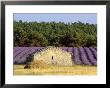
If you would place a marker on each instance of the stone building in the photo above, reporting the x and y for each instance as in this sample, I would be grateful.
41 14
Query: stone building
54 56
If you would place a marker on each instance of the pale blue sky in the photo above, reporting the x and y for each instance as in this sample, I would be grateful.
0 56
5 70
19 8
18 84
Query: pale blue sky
63 17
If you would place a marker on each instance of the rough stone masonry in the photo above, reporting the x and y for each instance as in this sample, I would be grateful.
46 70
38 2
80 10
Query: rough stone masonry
54 56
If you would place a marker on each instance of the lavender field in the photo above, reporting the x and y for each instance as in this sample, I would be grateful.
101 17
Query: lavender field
81 55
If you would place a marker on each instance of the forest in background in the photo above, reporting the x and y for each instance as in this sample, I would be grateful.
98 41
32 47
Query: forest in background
60 34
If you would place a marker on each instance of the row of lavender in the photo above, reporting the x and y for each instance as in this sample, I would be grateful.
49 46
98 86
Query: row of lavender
81 55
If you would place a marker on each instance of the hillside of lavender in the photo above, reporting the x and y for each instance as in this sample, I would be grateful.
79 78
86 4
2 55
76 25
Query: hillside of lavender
81 55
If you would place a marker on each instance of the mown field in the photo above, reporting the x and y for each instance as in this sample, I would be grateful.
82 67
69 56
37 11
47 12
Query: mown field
56 70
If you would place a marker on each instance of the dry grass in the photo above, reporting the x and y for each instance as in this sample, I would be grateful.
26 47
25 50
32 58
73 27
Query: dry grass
56 70
38 64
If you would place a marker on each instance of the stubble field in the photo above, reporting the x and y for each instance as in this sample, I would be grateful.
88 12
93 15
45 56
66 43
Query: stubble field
56 70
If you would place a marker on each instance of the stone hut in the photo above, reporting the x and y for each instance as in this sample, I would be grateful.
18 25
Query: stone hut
54 56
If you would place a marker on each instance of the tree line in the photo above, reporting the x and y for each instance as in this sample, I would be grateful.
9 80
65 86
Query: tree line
60 34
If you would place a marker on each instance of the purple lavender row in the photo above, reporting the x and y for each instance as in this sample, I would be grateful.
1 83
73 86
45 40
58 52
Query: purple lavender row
24 57
84 57
70 49
26 53
90 56
94 52
18 52
64 48
16 49
19 49
76 57
95 48
18 56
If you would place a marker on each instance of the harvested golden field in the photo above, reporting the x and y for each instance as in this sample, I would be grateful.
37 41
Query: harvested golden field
56 70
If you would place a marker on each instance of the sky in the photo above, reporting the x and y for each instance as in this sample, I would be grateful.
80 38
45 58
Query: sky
57 17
